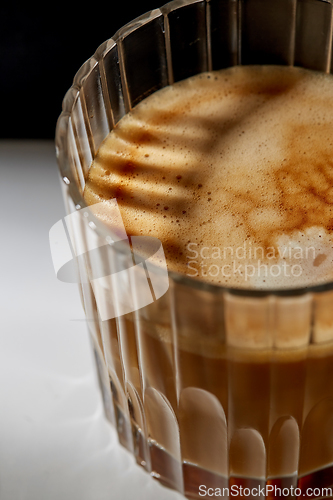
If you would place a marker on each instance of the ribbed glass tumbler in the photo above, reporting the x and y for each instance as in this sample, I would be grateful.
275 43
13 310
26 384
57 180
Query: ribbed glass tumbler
208 387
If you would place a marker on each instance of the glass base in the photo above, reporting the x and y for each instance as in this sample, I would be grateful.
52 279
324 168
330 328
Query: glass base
187 478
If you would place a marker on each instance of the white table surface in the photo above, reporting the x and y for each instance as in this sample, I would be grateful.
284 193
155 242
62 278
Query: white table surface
54 440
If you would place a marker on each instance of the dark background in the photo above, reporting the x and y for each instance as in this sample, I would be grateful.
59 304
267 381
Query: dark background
42 45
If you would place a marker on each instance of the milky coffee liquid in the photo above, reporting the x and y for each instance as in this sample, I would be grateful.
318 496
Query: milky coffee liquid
233 172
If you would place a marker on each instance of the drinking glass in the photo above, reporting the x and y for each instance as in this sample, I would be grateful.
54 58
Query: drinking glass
196 401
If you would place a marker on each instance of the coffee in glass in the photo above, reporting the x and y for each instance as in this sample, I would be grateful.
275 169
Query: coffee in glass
225 379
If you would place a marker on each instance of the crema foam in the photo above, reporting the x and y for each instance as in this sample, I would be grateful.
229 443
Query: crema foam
233 172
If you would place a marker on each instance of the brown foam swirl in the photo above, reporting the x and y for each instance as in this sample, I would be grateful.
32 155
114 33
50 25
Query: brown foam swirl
301 193
240 156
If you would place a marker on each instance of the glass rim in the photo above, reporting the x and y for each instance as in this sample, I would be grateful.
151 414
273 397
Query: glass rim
71 184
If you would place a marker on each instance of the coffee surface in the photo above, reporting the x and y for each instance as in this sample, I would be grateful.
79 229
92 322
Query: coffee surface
233 172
